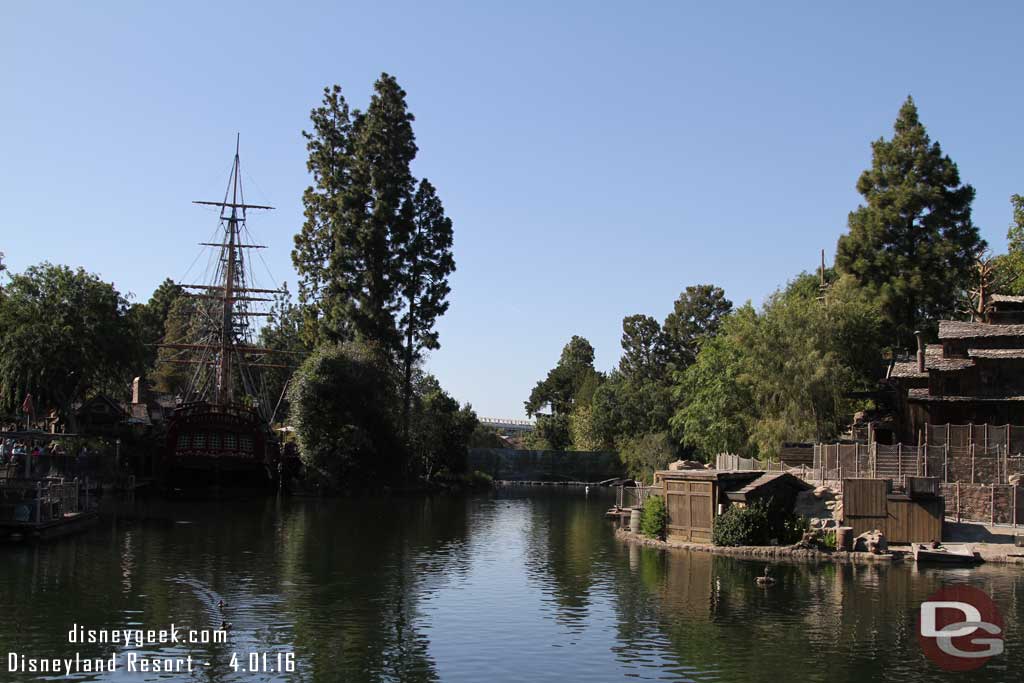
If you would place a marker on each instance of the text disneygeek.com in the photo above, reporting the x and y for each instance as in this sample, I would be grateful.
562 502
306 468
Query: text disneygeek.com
123 658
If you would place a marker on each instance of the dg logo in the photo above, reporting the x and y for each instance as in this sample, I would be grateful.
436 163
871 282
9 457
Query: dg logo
960 628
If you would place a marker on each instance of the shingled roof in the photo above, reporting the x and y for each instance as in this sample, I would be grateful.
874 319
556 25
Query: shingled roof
954 329
933 360
1006 299
996 353
923 395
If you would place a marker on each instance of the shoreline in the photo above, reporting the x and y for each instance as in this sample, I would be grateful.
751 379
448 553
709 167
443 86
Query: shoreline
990 554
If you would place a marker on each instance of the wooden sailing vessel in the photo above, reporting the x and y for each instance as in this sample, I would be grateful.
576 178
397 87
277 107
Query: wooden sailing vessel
220 434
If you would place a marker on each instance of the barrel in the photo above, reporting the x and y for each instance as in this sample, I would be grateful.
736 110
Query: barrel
634 520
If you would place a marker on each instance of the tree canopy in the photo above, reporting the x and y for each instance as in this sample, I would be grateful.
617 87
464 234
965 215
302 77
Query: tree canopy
64 333
913 243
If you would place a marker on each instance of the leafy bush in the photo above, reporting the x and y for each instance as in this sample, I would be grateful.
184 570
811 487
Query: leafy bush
654 517
345 408
757 524
829 540
742 526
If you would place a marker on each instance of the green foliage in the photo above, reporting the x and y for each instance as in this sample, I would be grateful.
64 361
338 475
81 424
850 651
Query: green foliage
829 540
913 244
643 348
374 253
572 380
345 409
1009 267
427 262
782 375
741 526
714 395
757 524
636 402
583 433
695 318
645 453
551 433
188 319
283 332
150 319
64 334
440 431
654 517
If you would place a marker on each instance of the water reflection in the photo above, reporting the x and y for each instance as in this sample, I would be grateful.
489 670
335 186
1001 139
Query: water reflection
516 585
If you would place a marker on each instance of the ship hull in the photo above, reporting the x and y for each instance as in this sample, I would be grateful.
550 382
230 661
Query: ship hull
212 449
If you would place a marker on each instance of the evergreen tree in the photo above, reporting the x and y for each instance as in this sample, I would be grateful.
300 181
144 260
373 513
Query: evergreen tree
695 318
325 253
643 348
427 262
381 201
913 243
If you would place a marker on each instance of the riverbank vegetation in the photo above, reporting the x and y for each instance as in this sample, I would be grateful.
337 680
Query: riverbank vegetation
714 377
374 257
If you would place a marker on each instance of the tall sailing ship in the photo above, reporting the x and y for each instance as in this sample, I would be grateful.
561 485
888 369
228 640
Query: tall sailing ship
220 434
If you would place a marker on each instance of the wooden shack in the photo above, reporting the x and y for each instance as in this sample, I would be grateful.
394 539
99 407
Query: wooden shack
915 517
693 498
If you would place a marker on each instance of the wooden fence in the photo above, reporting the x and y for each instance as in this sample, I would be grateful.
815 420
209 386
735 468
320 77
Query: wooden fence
971 464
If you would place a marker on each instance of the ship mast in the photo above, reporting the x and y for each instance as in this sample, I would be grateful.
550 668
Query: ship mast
223 395
229 290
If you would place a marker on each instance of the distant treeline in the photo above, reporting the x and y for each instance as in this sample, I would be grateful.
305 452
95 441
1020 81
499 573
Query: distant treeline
713 377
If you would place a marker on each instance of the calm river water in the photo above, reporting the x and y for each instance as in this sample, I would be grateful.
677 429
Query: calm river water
515 585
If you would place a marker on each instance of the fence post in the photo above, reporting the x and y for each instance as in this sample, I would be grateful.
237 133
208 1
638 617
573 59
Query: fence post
972 463
873 454
899 462
993 516
945 464
957 500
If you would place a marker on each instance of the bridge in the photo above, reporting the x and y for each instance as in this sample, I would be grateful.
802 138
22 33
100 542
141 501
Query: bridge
508 424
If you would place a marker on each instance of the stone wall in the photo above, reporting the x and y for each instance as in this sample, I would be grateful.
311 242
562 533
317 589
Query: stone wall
507 464
984 503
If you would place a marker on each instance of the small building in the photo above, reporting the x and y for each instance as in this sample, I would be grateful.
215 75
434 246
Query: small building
914 517
100 415
693 498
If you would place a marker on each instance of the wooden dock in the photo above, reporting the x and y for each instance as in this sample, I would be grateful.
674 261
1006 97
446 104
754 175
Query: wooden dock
32 509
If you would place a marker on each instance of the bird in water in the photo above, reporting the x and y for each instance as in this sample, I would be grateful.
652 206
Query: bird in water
225 626
767 579
221 605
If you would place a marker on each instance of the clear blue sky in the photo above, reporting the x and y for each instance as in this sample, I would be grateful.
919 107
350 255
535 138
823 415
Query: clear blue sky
596 157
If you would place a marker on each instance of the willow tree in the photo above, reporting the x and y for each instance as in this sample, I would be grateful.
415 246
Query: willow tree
912 244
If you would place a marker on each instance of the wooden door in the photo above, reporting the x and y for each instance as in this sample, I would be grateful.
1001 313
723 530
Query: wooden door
690 506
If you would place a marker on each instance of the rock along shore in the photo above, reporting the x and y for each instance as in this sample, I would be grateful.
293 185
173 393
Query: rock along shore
994 553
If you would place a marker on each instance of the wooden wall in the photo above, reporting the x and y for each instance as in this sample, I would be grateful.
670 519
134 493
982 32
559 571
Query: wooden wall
866 506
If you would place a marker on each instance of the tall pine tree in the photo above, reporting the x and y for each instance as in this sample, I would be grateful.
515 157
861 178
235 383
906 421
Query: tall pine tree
327 280
381 203
913 244
427 261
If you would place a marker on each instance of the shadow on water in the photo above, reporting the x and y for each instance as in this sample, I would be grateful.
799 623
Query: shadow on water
518 584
